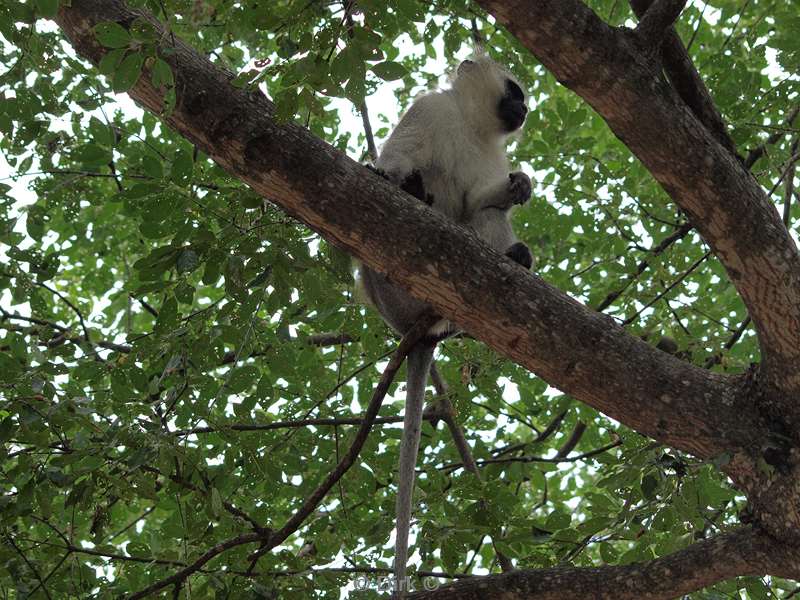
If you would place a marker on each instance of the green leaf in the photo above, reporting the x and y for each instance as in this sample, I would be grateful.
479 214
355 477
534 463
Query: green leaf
242 378
162 74
101 133
128 72
182 167
47 8
92 155
216 502
389 70
109 63
112 35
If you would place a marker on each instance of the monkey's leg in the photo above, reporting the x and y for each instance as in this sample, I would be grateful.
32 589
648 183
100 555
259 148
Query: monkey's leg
411 183
418 363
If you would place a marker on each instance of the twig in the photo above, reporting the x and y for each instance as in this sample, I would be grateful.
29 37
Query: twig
696 27
675 236
551 428
717 357
372 151
66 301
447 412
536 459
31 566
572 441
761 150
683 276
787 203
245 427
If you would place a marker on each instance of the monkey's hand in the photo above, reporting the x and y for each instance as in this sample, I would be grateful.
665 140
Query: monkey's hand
377 170
520 254
519 187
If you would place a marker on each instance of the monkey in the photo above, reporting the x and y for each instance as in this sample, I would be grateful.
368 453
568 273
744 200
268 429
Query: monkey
448 150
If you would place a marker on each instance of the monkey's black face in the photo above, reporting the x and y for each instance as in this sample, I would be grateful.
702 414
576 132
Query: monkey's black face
512 109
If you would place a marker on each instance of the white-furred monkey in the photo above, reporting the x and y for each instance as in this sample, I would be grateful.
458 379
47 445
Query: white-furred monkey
449 151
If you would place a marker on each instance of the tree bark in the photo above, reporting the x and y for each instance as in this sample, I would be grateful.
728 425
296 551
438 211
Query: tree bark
741 552
614 71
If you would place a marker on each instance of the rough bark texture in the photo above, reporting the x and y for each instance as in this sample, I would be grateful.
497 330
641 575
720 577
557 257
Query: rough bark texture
614 71
741 552
581 352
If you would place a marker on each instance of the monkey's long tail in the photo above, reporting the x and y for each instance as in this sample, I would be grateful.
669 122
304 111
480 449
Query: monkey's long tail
418 364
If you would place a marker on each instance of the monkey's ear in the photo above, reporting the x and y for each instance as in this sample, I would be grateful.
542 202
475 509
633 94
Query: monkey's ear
464 66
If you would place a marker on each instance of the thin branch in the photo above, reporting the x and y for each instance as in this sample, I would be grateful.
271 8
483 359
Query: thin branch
685 79
696 27
271 539
372 151
787 202
447 411
761 150
551 428
536 459
55 292
572 440
66 301
16 317
675 236
717 357
683 276
31 566
247 538
429 416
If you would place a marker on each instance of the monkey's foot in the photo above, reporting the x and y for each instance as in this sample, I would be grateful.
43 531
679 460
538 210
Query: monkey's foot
413 185
519 187
520 254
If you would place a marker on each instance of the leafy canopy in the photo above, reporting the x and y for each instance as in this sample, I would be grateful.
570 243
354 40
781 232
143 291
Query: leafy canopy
146 293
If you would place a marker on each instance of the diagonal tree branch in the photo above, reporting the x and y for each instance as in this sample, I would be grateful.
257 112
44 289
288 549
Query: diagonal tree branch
658 19
721 198
687 81
739 552
531 322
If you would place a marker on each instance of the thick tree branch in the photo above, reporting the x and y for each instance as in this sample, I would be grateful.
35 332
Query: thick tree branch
686 80
722 200
658 19
740 552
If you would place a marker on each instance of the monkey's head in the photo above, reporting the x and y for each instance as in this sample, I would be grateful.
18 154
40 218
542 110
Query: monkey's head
491 98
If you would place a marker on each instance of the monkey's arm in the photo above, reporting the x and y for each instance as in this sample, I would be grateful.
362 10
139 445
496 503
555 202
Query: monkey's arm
502 194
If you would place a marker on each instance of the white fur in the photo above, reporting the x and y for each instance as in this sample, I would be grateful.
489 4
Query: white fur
455 139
